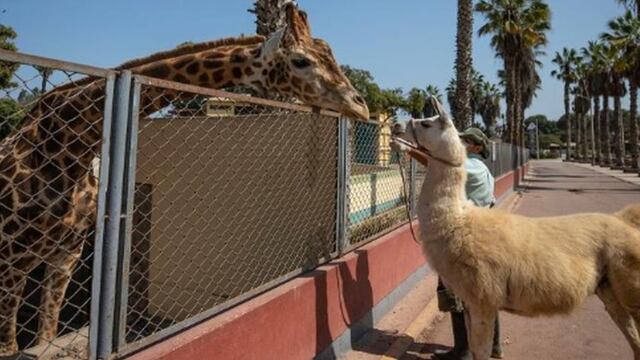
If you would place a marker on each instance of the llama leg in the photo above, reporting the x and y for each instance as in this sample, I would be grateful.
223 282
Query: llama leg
57 278
621 317
480 323
12 281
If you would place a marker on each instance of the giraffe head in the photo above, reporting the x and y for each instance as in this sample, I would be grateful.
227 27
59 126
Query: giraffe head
297 64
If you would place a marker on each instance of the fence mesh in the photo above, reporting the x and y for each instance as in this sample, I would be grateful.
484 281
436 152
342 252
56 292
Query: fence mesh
501 160
229 196
50 132
376 197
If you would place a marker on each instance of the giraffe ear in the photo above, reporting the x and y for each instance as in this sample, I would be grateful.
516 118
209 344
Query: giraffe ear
273 42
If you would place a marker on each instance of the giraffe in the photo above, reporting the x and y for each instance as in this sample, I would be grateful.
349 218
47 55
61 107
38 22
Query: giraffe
48 191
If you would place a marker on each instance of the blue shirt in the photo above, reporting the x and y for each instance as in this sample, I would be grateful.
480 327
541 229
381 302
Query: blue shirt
480 182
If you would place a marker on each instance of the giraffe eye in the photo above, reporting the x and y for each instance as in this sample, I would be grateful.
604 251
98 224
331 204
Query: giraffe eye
301 63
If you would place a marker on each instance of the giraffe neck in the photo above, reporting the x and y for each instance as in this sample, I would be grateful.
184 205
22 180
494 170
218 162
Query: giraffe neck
222 67
66 125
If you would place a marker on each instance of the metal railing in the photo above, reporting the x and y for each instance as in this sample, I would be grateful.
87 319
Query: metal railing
164 204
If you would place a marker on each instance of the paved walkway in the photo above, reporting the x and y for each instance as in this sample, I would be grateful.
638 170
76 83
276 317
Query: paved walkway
557 188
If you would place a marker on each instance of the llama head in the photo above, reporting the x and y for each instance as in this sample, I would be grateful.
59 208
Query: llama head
436 135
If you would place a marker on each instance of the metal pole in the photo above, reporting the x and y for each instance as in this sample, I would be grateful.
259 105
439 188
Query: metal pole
99 238
111 246
342 213
125 232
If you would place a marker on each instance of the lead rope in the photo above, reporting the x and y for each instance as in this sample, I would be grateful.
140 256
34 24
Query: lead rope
406 197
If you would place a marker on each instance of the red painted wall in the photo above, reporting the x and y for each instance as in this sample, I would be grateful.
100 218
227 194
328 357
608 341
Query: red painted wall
302 317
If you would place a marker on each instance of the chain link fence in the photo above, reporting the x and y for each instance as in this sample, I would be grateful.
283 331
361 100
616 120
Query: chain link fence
377 195
132 208
51 120
501 160
229 196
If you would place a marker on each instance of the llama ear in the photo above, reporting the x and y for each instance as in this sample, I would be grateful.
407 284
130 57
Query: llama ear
273 42
443 116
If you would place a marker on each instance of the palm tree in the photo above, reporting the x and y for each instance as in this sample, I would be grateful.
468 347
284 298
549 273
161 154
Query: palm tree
566 72
615 64
414 103
607 58
434 91
270 15
625 35
631 5
517 29
477 92
463 115
596 81
581 106
450 90
489 107
529 82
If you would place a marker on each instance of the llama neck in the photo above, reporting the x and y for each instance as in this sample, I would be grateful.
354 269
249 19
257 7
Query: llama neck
442 198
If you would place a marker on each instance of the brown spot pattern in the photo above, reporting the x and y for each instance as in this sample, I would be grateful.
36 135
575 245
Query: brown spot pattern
218 76
236 72
193 68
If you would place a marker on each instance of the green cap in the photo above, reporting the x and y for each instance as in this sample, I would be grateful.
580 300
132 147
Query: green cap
477 137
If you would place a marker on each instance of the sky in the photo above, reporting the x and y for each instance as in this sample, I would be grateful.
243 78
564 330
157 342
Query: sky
403 43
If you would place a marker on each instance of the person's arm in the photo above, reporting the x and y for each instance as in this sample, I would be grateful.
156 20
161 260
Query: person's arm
401 147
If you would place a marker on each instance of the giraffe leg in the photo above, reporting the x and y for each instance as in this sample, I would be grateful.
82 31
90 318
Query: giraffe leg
621 317
57 278
12 281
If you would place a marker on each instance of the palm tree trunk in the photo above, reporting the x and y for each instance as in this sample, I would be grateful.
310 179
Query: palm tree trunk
619 131
633 118
606 133
567 116
597 130
585 141
578 118
510 97
463 115
518 123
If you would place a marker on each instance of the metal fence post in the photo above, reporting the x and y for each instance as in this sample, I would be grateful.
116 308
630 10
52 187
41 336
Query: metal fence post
127 215
113 220
100 217
342 212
